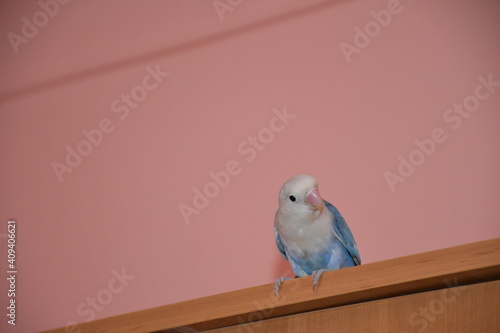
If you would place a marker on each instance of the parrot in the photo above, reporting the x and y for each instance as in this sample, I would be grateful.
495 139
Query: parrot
310 232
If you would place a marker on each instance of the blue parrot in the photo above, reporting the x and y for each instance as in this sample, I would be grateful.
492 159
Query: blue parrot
310 232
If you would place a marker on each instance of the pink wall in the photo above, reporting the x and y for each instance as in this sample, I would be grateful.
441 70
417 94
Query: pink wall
357 105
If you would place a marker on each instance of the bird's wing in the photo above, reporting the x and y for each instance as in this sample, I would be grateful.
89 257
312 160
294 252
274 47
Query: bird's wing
279 242
344 234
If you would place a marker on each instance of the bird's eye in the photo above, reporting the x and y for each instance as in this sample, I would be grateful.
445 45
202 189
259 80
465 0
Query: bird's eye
292 198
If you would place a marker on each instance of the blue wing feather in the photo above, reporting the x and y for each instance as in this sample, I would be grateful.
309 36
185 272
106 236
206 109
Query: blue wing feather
343 233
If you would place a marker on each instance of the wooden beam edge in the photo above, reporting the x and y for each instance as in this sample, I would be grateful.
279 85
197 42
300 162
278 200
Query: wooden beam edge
459 265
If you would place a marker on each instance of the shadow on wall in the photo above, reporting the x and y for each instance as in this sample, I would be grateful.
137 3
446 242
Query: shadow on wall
160 54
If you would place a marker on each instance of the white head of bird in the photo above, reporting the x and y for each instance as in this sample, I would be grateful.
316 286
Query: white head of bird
299 199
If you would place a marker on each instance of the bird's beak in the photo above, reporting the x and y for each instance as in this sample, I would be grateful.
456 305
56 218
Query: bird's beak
314 200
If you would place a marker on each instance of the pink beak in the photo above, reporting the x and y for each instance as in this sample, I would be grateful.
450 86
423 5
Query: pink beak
314 199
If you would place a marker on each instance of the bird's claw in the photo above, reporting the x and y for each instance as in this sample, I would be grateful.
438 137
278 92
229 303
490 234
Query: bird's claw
277 285
316 275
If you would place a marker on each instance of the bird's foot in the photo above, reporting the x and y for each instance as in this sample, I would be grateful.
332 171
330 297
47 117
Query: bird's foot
316 275
277 285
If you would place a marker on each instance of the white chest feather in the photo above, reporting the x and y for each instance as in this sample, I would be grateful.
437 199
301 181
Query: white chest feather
305 238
